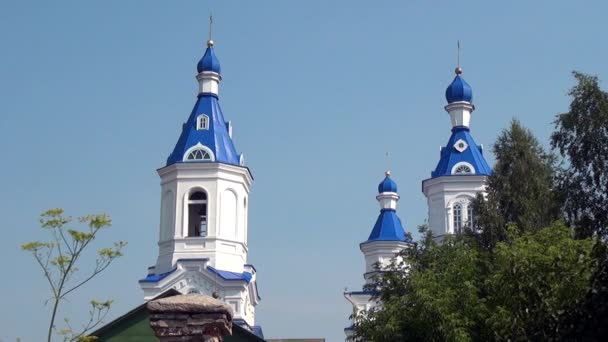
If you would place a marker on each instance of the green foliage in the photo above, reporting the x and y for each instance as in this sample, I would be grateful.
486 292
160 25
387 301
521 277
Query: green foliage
458 291
535 278
58 259
588 321
520 189
580 137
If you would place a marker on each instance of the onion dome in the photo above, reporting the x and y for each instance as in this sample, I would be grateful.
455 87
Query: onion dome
387 185
459 89
209 62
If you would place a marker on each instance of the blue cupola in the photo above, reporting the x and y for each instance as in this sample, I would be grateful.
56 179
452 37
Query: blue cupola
387 184
459 90
388 225
209 62
461 156
206 136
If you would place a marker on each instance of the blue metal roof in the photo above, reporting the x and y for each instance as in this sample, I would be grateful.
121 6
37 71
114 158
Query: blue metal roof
155 278
450 156
227 275
216 137
387 228
459 90
387 185
209 62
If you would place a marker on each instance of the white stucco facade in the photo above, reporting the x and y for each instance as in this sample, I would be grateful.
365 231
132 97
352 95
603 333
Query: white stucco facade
227 189
444 193
183 258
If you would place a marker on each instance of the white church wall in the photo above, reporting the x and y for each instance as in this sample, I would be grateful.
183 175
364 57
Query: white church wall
442 192
228 215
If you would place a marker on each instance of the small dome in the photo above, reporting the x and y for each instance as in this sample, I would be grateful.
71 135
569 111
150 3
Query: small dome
459 90
387 185
209 62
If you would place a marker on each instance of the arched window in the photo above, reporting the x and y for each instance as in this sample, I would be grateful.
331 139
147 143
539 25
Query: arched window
457 217
470 215
198 155
462 169
197 214
202 122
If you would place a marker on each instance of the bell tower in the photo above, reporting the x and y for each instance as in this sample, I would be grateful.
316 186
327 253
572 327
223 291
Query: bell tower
385 241
462 170
202 245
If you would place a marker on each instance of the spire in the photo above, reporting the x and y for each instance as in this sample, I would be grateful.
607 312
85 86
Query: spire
388 225
461 155
459 96
206 136
208 68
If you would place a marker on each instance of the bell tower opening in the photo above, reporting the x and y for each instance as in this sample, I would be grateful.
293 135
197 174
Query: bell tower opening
197 214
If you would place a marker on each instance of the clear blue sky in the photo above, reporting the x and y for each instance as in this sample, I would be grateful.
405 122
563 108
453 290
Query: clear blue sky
92 96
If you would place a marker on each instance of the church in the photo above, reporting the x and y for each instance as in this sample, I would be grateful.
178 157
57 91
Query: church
204 189
202 240
459 176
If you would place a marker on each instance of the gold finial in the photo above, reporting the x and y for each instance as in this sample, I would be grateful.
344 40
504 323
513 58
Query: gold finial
210 41
458 70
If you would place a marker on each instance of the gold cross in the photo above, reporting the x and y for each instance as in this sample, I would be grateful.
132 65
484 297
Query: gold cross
210 25
458 53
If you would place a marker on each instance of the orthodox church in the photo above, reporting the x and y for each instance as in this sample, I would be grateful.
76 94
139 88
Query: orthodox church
202 241
459 176
205 184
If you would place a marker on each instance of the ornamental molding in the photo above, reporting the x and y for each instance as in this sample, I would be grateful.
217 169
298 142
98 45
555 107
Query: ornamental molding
460 145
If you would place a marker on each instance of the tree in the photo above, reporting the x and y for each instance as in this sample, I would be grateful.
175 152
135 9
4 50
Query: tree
521 189
588 321
59 259
457 291
580 137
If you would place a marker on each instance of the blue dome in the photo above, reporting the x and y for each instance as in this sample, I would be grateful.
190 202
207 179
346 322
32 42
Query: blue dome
459 90
387 185
209 62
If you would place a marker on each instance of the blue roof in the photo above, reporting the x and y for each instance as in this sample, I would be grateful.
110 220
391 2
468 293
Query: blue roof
450 156
227 275
209 62
216 137
388 227
387 185
155 278
459 90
